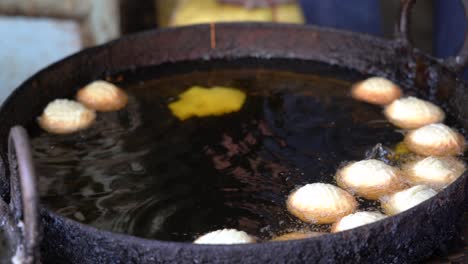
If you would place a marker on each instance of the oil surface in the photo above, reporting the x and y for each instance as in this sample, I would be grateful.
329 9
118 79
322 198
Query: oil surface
141 171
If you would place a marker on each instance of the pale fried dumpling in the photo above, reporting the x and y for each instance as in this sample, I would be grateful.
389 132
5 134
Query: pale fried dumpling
406 199
411 112
376 90
102 96
435 140
63 116
436 172
320 203
225 236
357 219
297 235
370 179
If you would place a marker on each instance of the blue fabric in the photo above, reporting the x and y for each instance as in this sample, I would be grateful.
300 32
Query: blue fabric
449 27
354 15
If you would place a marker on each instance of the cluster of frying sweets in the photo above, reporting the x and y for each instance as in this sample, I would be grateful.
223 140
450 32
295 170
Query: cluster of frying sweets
429 168
63 116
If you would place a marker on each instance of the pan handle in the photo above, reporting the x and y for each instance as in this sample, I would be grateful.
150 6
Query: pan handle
403 35
24 199
403 28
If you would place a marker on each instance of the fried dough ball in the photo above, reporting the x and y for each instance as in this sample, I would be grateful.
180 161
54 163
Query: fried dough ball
320 203
376 90
406 199
102 96
436 172
435 140
63 116
411 112
355 220
370 179
225 236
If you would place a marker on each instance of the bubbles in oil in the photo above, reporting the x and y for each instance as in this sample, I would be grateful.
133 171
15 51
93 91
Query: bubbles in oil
140 171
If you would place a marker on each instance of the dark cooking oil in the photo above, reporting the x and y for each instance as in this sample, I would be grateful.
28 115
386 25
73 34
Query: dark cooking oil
143 172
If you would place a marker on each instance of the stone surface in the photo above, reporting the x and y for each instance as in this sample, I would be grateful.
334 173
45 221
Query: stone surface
44 31
33 44
102 22
53 8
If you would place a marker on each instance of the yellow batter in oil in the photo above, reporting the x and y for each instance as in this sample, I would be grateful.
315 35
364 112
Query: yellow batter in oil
200 102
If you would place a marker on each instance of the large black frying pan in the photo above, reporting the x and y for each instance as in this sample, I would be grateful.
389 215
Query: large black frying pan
407 237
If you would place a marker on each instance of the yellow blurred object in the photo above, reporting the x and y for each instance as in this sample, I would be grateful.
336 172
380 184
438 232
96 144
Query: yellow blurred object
401 149
199 101
401 154
189 12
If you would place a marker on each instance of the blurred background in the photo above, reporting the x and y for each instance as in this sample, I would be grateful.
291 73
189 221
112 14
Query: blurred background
37 33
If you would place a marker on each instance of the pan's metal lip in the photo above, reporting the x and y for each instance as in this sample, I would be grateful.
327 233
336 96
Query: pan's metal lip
257 246
384 43
389 44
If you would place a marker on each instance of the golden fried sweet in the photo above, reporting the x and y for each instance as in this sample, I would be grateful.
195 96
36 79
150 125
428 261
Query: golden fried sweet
225 236
406 199
435 172
376 90
297 235
320 203
411 112
357 219
63 116
435 140
102 96
370 179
